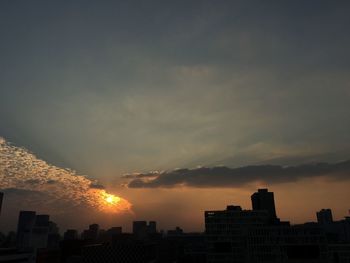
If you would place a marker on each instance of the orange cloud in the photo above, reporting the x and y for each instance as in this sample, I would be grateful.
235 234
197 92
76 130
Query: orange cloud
20 169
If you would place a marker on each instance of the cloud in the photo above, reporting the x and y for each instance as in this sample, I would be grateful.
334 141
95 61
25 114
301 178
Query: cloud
151 174
96 186
235 177
21 172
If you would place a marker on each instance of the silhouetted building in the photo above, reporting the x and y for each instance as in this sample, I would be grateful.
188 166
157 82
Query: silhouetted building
264 200
175 232
8 241
13 255
45 255
324 216
139 229
54 237
236 235
337 231
123 238
70 234
40 232
339 253
226 232
26 221
92 232
109 235
183 248
122 252
142 231
1 199
231 235
279 243
117 230
152 227
71 250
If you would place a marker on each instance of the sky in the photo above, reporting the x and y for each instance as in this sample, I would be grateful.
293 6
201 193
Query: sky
176 107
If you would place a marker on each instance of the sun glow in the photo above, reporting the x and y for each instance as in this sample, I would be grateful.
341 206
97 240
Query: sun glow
113 204
112 199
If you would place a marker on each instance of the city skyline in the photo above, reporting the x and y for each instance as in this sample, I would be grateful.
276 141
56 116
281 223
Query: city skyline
262 201
232 234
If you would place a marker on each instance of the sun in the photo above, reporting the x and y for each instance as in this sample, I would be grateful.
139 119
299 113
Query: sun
110 203
109 199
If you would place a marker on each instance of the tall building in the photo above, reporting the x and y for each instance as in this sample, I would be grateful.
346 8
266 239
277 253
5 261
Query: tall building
264 200
53 236
26 221
237 235
324 216
152 227
226 232
92 233
140 229
1 198
40 231
70 234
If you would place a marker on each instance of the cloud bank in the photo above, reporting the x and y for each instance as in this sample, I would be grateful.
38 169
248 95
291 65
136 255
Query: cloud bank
235 177
23 174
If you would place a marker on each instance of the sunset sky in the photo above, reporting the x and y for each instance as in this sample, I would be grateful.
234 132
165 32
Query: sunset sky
176 107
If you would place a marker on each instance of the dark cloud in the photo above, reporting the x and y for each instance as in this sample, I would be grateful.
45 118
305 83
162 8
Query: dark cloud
32 181
26 199
9 192
141 175
97 186
233 177
51 181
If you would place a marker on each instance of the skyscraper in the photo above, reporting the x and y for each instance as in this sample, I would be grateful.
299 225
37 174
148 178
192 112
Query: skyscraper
40 232
226 232
140 229
70 234
91 233
264 200
152 227
26 221
324 216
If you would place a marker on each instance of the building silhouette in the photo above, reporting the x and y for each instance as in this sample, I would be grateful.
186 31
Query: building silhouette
231 235
175 232
1 199
237 235
152 227
40 232
141 230
92 233
264 200
226 232
26 221
324 216
70 234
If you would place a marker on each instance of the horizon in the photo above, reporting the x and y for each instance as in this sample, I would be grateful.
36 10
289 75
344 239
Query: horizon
9 190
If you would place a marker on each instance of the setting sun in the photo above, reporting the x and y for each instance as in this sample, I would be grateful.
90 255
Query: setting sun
111 203
109 199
